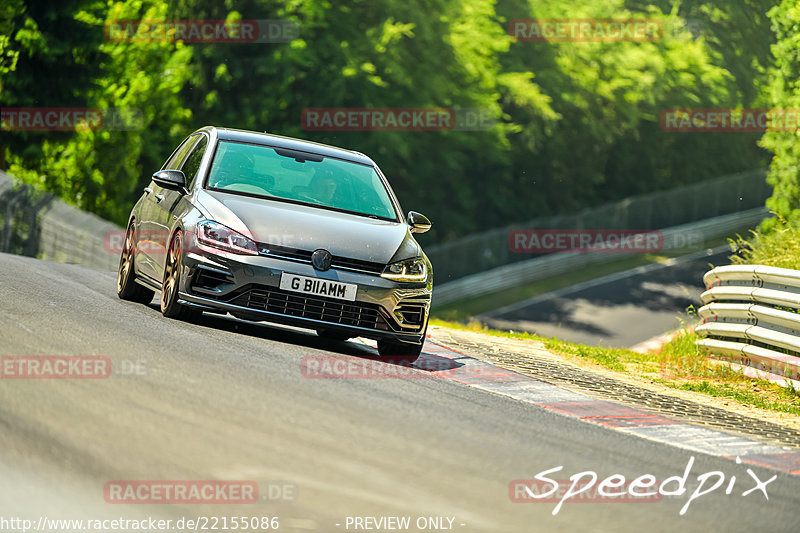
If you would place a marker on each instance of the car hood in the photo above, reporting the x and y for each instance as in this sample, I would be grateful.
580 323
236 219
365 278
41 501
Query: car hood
309 228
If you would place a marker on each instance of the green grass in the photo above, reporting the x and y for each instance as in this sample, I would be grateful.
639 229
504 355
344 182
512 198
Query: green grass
788 401
610 358
679 365
778 247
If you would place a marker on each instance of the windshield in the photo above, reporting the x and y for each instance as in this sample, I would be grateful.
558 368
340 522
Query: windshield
302 177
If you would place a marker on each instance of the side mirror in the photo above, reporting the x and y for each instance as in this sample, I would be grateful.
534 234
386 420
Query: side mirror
418 222
170 179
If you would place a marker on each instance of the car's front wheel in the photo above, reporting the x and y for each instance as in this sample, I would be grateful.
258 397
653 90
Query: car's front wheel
127 288
170 307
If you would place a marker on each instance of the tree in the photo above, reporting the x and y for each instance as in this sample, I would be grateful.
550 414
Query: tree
784 174
100 170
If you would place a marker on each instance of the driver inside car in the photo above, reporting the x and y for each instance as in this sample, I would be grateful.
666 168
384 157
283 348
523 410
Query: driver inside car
320 190
323 189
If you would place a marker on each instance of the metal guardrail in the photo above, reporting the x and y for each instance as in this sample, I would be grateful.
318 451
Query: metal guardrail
479 252
751 317
60 232
37 224
531 270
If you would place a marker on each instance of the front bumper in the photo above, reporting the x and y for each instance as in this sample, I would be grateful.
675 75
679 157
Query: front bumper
248 287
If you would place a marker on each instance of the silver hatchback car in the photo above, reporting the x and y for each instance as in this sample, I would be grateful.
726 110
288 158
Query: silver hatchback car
270 228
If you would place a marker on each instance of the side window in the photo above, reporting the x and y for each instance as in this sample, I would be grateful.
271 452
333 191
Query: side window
192 164
173 163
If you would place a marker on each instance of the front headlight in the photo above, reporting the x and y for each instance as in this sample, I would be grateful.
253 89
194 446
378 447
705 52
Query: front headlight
407 270
216 235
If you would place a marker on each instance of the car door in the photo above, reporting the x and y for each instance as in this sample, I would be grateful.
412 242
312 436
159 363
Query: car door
149 242
169 203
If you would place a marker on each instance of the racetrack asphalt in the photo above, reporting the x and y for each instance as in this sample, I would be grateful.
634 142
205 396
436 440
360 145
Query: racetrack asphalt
224 399
620 310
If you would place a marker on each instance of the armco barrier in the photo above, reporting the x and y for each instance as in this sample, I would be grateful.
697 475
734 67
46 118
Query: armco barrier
751 317
516 274
480 252
50 229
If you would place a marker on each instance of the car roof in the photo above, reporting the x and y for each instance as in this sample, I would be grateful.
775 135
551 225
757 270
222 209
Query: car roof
254 137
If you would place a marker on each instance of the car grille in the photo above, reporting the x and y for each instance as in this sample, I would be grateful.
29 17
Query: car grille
304 256
323 309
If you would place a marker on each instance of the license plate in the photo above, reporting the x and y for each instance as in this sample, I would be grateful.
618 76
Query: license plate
319 287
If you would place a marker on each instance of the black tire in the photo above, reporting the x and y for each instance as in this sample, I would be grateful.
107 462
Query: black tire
334 335
170 307
400 352
127 288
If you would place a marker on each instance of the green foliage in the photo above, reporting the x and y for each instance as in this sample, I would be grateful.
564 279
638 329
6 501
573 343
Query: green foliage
777 242
577 123
784 173
606 142
98 170
778 247
678 365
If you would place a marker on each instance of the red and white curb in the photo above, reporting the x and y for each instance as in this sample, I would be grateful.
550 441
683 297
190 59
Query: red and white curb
655 344
479 374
